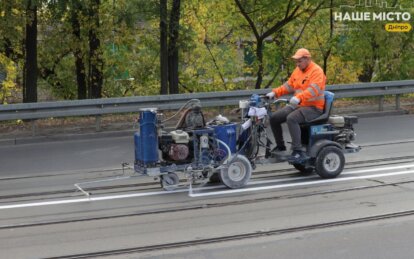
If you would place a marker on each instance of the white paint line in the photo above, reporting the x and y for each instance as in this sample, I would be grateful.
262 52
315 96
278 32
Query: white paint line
113 197
299 184
407 166
135 195
391 142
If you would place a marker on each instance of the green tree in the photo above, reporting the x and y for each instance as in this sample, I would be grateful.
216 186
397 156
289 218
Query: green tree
11 29
211 58
265 18
378 54
71 55
8 74
76 9
164 46
95 58
30 68
105 48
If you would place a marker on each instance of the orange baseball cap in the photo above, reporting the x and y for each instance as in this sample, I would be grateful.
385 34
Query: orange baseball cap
300 53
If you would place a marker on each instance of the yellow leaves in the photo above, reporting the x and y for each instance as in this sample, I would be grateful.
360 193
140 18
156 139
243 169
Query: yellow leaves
9 68
342 72
202 10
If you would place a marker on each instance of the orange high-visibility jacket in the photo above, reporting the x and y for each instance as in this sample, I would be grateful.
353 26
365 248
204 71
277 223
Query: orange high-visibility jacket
308 86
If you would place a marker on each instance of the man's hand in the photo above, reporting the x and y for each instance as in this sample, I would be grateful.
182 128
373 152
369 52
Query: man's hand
270 95
294 101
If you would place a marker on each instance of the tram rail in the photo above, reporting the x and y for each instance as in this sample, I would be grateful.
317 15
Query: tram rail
250 235
153 186
205 204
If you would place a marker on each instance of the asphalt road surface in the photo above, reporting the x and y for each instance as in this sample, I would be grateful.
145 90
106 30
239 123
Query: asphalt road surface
367 212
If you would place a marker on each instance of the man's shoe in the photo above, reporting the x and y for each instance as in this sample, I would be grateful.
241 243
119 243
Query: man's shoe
298 156
278 149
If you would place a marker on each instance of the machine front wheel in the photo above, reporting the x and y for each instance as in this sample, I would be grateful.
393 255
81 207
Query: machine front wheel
237 174
330 162
170 181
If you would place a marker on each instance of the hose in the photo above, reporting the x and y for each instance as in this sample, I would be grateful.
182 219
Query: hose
227 148
181 108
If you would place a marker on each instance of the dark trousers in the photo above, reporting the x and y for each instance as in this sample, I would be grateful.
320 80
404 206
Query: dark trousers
293 117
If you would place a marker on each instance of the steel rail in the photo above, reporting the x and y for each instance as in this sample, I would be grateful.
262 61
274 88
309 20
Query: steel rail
261 175
250 235
202 206
378 184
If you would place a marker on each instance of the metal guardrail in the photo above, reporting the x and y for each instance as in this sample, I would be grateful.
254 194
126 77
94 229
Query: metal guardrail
96 107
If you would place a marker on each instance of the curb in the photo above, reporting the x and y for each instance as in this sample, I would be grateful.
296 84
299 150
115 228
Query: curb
64 137
380 113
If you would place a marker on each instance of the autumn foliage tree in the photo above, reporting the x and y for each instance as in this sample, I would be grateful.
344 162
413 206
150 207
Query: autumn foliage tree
75 49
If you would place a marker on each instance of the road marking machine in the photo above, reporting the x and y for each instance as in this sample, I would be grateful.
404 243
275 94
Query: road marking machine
227 152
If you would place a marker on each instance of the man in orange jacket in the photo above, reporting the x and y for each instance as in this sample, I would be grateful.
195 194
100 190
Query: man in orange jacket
307 84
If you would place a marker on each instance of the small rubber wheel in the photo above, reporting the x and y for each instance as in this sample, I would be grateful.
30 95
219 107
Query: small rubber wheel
170 181
329 162
236 174
305 170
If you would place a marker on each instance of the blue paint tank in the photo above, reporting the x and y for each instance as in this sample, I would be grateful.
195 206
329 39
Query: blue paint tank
146 138
227 134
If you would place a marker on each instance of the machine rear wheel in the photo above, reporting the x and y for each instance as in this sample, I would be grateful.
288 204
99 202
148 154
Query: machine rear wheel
330 162
237 174
304 169
170 181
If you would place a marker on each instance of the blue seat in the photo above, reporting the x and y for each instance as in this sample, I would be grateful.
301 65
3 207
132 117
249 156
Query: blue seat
323 118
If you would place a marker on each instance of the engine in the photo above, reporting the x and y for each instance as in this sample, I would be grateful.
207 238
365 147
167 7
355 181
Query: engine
192 147
159 151
175 146
344 125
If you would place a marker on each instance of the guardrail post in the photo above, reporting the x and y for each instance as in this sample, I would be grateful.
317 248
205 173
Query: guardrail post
98 120
34 127
381 103
398 102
